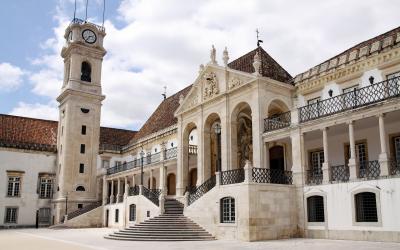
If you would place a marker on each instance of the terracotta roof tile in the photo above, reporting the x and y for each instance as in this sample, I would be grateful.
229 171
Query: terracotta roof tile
37 134
269 67
163 116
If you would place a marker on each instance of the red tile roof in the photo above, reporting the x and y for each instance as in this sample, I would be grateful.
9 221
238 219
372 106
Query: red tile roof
37 134
163 116
269 67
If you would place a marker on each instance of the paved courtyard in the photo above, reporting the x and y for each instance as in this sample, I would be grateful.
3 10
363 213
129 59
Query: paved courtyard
84 239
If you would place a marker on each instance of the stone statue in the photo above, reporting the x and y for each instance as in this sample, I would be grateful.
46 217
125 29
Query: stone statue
257 64
213 55
225 57
210 85
245 141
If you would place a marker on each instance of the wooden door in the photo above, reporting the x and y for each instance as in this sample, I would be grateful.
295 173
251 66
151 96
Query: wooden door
171 184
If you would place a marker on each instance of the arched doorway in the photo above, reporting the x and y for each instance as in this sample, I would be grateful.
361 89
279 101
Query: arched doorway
192 178
276 162
171 184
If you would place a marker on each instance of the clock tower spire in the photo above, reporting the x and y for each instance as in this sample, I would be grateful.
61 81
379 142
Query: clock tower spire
79 117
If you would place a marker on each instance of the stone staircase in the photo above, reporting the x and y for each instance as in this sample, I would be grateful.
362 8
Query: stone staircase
171 226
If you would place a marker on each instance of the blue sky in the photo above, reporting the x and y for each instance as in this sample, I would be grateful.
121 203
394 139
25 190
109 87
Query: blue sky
155 43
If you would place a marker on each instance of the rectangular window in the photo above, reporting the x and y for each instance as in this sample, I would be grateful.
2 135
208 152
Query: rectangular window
83 130
116 215
227 207
316 160
81 168
11 215
396 145
46 188
44 215
82 148
14 184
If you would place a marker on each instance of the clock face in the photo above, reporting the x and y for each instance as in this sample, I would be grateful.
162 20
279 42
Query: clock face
89 36
69 39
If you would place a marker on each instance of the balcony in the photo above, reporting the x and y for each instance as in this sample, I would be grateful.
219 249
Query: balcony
275 176
277 122
371 94
314 176
340 173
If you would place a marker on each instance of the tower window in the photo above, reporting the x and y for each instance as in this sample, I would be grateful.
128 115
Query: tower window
81 168
80 189
82 148
86 72
83 130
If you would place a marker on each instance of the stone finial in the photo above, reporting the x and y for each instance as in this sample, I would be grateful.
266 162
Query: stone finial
257 64
225 57
201 68
181 99
213 53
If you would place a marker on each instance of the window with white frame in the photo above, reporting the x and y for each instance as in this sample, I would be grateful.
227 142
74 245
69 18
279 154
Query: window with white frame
11 215
44 215
316 160
227 210
14 185
315 209
46 188
366 208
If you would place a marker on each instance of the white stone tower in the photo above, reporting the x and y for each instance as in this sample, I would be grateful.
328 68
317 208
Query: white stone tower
79 121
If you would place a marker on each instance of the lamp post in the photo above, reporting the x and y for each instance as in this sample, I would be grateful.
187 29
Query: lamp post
217 130
141 167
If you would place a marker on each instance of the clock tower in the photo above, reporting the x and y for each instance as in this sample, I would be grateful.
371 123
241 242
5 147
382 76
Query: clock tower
79 118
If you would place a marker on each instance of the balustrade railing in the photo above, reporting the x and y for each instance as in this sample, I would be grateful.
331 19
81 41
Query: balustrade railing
133 191
394 166
171 153
280 121
80 21
232 176
370 170
151 195
314 177
340 173
198 192
359 97
192 149
265 175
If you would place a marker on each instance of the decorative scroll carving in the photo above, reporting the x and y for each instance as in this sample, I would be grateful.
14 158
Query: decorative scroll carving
210 85
234 82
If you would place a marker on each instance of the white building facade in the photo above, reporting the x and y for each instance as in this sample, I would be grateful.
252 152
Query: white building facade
251 152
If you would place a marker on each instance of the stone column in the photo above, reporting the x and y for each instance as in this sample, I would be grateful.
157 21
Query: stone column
105 189
325 164
383 156
151 179
163 186
247 172
112 192
352 161
126 188
180 178
133 180
266 155
118 189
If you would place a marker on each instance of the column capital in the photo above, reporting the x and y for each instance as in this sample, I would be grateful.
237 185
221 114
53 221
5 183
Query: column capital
381 115
324 129
351 122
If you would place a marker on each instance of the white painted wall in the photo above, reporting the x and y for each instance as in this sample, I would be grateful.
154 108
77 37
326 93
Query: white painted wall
32 163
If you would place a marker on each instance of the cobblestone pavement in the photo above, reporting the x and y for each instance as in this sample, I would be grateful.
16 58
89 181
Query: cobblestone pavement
85 239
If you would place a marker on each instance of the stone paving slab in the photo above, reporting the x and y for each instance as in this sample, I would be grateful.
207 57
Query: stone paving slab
89 239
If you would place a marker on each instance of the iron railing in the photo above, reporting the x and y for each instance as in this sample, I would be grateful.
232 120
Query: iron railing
198 192
83 210
151 195
370 170
265 175
394 167
171 153
80 21
277 122
192 149
314 176
232 176
155 157
359 97
133 191
340 173
110 147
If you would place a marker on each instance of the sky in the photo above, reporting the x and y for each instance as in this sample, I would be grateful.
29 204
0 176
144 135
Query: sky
155 43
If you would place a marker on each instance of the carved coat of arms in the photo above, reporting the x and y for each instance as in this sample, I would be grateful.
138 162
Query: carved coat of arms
210 85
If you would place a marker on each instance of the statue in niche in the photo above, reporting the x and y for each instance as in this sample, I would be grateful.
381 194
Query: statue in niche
245 140
210 85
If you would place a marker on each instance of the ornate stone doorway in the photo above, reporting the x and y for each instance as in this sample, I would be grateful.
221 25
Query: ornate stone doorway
171 180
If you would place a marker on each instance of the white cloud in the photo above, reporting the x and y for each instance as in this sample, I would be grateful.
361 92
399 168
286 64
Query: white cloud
162 43
37 110
10 77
